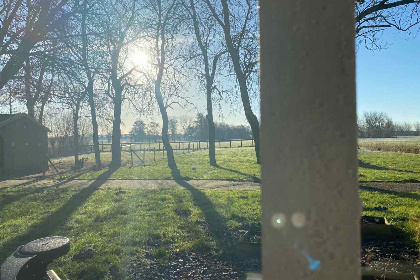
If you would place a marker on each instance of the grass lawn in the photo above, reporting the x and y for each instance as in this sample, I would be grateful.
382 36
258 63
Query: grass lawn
401 209
240 165
234 164
388 167
114 231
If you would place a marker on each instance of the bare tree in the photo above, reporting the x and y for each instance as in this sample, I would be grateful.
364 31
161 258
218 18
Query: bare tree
372 17
239 23
23 25
163 27
87 61
210 47
120 31
39 75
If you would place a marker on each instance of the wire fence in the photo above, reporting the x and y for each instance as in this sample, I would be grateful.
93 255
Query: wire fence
141 153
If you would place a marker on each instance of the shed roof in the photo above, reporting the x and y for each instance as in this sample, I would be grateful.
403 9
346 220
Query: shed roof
9 118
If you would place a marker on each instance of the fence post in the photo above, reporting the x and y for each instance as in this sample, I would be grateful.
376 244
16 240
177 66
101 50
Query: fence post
131 153
154 154
163 152
230 143
189 146
159 146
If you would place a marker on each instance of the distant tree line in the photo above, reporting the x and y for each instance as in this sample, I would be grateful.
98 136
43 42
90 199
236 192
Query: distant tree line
188 130
380 125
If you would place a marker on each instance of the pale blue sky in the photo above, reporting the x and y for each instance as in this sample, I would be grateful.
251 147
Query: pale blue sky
388 80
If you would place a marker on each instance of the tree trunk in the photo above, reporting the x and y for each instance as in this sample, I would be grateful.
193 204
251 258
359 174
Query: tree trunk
250 116
116 127
209 85
165 138
41 110
240 76
212 129
76 137
94 125
30 101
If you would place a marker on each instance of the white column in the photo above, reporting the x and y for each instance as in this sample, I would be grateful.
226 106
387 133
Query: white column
311 207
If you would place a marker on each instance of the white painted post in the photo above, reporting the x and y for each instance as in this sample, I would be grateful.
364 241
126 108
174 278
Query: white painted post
311 207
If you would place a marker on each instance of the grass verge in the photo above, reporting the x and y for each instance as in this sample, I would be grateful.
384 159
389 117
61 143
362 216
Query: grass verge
114 231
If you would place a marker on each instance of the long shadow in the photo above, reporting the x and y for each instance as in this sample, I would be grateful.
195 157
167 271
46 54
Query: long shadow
25 183
231 248
377 167
51 223
250 176
400 194
14 198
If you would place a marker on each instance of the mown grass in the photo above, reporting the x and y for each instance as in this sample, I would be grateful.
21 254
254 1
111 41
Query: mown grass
388 167
240 165
400 208
234 164
113 228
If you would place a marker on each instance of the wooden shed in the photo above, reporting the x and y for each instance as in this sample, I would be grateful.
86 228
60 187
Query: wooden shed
23 145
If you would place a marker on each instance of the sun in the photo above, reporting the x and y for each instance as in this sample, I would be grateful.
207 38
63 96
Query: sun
140 59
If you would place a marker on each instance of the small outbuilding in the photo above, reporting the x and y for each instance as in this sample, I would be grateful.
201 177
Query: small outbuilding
23 145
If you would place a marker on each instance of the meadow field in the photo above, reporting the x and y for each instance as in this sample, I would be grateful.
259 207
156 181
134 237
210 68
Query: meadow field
138 222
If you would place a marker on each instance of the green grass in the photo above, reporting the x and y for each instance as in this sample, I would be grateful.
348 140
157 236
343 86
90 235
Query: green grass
388 167
234 164
240 164
401 209
112 228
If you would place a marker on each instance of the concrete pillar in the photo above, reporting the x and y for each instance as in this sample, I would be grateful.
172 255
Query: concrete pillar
311 207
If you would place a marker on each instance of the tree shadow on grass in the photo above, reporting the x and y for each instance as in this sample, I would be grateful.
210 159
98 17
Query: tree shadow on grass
232 250
24 183
30 191
249 176
367 165
50 224
399 194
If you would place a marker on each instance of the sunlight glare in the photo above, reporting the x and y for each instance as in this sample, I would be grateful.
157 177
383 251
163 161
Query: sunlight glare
140 59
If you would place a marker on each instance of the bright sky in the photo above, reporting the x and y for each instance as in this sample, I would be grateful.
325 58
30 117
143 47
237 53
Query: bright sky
388 80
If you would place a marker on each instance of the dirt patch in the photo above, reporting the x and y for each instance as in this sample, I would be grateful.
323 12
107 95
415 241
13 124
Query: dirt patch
194 266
